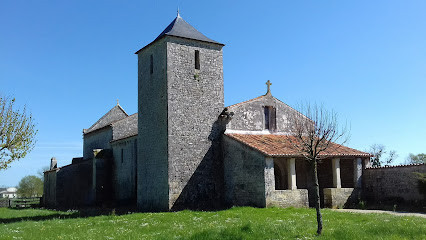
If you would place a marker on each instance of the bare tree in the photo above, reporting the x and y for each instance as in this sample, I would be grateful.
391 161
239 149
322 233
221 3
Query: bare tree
312 133
416 159
41 171
378 151
17 132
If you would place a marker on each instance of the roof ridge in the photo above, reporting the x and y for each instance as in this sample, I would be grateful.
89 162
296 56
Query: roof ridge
167 29
122 138
101 118
122 119
122 109
350 148
182 29
247 101
261 96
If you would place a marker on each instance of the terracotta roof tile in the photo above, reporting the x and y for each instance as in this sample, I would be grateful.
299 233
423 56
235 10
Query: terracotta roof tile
279 145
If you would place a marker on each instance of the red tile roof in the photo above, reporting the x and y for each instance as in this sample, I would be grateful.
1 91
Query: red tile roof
279 145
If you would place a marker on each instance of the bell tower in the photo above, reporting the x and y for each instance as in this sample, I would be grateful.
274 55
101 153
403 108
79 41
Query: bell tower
180 96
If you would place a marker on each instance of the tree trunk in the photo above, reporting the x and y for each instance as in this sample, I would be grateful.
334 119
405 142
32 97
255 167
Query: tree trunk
317 197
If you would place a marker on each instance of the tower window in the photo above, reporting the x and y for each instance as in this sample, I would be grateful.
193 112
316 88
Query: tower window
197 59
122 155
270 118
151 65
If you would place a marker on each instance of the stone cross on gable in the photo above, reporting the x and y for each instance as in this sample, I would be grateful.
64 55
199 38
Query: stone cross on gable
268 83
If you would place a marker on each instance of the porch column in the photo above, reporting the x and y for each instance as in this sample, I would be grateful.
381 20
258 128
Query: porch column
291 166
269 176
357 172
336 173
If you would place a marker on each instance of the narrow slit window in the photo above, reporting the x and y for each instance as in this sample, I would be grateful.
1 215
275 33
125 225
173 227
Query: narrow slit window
197 59
151 65
270 118
135 146
122 155
266 110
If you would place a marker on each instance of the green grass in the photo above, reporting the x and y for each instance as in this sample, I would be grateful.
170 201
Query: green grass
235 223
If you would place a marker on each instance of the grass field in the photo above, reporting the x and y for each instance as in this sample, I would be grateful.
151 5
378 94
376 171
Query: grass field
235 223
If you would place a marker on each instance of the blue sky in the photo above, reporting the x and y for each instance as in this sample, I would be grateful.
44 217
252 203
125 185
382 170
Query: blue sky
68 62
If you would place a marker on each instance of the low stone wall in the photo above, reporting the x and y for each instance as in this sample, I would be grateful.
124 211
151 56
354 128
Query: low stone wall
393 185
337 197
5 202
49 189
288 198
74 185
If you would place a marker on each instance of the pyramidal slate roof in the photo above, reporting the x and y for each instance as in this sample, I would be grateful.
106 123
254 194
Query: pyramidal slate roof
115 114
180 28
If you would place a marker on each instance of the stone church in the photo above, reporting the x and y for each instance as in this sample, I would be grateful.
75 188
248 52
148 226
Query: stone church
185 150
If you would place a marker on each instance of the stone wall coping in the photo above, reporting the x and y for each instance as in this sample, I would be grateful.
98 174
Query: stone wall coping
74 164
118 141
52 170
397 166
288 190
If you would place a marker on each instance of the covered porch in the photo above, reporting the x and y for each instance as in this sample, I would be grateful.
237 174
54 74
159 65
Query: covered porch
287 175
289 181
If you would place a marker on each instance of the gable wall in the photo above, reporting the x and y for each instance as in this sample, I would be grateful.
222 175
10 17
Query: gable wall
98 139
250 116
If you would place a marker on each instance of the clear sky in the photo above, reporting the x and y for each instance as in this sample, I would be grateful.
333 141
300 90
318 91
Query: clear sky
68 62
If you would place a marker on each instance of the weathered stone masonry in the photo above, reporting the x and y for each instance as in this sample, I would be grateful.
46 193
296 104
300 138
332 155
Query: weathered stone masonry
183 149
179 106
244 175
152 128
125 169
393 185
195 101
